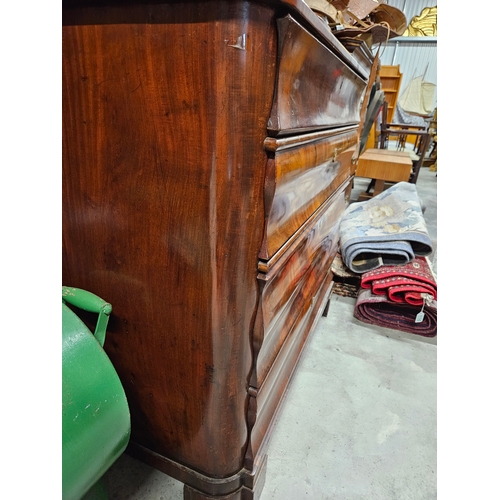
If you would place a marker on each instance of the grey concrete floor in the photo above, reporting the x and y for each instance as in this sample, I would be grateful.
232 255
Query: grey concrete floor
359 420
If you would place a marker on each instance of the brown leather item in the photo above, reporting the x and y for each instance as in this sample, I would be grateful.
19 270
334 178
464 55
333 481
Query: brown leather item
380 33
361 8
340 4
382 21
323 7
390 15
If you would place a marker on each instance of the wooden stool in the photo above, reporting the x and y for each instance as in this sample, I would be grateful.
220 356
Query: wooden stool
384 166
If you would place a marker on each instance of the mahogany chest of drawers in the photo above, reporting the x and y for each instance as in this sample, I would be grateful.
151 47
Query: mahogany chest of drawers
206 163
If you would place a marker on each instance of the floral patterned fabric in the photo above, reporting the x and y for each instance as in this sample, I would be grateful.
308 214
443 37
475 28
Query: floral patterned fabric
388 229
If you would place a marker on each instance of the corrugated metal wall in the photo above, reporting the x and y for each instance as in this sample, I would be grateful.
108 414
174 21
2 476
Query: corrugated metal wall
414 58
411 8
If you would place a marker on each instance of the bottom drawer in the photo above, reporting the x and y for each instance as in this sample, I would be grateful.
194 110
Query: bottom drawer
264 404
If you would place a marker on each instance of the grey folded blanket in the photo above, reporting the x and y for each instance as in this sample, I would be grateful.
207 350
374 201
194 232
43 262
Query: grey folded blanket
385 230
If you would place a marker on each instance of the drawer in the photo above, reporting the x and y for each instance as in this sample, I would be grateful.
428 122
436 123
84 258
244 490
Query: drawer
264 403
314 88
289 285
301 174
361 54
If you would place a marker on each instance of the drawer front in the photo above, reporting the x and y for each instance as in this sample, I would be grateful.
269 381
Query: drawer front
315 89
298 180
264 402
361 54
288 288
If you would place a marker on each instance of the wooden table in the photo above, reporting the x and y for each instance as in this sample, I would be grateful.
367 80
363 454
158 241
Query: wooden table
384 166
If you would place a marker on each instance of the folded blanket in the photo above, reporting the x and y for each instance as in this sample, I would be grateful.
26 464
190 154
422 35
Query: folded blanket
403 283
388 229
345 282
380 311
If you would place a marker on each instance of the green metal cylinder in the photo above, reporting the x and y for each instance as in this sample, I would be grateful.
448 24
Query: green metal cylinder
95 412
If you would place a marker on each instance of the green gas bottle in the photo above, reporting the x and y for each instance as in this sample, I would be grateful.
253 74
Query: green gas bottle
95 412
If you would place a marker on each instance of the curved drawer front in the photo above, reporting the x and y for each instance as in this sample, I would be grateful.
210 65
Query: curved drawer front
292 282
298 180
315 89
264 402
361 54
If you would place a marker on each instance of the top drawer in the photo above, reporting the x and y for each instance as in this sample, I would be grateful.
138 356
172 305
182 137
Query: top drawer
315 89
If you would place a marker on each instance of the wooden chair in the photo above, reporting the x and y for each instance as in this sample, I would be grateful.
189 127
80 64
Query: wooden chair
389 166
402 130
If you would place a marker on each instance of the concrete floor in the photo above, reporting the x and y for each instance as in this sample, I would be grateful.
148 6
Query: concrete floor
359 421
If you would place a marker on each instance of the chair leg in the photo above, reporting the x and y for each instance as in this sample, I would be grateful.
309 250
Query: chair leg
412 179
417 164
370 186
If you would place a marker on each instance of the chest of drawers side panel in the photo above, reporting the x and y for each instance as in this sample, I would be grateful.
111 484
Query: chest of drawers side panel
164 116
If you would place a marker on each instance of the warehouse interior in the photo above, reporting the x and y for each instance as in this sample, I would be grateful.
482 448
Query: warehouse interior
359 420
359 416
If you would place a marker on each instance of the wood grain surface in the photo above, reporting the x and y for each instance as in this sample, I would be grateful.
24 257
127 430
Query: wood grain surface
163 212
299 178
211 235
315 88
289 284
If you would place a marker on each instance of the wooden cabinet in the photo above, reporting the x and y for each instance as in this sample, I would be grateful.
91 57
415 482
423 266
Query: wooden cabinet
205 168
390 80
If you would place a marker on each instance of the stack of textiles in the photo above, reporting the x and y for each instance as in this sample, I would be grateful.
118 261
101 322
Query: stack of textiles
385 230
401 297
345 282
385 240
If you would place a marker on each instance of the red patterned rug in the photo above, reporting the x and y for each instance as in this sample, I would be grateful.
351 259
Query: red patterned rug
380 311
402 283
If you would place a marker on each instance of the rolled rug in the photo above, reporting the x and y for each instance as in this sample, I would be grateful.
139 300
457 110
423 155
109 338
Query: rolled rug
403 283
380 311
388 229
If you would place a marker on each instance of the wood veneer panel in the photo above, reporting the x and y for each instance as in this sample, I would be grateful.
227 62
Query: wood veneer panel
315 89
362 54
298 180
265 403
165 111
153 161
290 283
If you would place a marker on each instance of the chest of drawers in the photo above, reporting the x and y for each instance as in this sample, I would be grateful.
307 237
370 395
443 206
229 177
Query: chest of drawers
206 163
